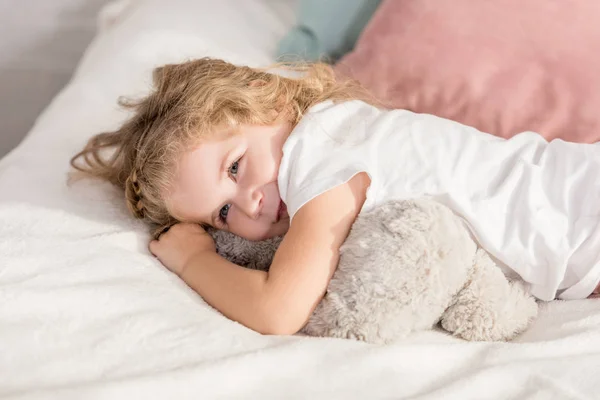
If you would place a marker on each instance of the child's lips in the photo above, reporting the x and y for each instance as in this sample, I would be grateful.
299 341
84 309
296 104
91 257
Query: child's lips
282 211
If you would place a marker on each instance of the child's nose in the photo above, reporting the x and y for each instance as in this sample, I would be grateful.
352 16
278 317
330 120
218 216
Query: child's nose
250 203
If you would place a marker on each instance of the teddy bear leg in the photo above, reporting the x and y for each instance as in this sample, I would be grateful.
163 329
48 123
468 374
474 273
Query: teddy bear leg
489 308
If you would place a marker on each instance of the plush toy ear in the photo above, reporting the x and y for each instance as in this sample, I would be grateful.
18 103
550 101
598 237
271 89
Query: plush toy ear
245 253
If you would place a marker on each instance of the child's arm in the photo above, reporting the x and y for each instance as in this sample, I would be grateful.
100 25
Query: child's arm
282 300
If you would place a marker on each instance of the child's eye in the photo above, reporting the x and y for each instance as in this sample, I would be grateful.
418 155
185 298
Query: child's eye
233 169
223 213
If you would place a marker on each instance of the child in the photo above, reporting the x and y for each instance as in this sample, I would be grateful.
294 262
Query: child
261 155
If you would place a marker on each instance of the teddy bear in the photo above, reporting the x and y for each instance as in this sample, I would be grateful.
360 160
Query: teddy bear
406 266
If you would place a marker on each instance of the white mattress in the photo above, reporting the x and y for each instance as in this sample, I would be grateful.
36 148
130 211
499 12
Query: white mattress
87 313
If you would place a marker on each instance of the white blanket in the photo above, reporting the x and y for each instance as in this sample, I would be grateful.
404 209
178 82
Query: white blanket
87 313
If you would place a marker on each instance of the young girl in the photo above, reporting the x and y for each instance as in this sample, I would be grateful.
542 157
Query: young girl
261 155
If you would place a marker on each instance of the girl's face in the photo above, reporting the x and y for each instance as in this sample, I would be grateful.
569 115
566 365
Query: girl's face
231 183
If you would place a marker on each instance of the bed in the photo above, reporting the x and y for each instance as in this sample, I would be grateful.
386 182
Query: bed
87 313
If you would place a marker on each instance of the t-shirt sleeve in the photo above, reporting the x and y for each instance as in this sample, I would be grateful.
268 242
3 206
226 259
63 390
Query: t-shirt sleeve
323 152
313 187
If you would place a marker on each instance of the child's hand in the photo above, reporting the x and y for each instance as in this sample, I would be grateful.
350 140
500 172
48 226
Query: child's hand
182 242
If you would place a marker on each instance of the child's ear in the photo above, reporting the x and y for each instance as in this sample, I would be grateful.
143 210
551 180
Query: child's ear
257 82
284 112
281 113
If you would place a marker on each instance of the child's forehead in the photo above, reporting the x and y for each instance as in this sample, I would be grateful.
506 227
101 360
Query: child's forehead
208 154
219 132
199 166
207 135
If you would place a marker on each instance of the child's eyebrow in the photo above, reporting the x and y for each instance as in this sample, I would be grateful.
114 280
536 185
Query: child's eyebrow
224 164
227 161
223 172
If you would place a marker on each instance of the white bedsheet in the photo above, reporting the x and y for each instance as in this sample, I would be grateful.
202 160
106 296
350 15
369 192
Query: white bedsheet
87 313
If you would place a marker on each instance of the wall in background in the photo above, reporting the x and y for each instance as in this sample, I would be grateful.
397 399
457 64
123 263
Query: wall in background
41 42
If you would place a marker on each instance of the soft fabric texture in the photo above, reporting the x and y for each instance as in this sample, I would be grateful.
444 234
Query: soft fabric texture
249 254
533 205
86 312
502 66
326 30
404 267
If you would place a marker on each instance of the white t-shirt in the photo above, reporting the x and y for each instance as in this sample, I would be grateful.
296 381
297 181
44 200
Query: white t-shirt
533 205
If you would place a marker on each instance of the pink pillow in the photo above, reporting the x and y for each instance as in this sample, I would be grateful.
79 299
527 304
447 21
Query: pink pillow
502 66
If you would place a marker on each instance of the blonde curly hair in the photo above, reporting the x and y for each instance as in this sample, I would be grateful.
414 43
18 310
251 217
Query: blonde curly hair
191 101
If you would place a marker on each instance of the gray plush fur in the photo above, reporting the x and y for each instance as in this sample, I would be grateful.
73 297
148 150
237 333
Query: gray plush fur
406 266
